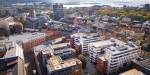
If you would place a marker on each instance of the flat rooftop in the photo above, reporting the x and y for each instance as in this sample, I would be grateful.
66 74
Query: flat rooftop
45 49
64 50
79 34
88 35
57 40
59 46
56 63
48 49
10 49
25 37
11 58
106 43
122 48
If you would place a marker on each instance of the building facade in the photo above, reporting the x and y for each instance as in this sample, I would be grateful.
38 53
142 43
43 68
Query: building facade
97 48
101 65
120 56
117 55
57 60
46 55
29 40
58 11
11 58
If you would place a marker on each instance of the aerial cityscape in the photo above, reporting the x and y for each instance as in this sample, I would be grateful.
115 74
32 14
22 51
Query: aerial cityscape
74 37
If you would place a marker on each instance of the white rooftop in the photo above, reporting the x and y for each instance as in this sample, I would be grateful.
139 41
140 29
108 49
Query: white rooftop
46 49
16 51
61 45
106 43
122 48
57 40
87 35
78 34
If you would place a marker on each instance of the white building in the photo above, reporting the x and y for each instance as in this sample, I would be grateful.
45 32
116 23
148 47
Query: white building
84 39
146 24
117 53
126 19
97 48
120 56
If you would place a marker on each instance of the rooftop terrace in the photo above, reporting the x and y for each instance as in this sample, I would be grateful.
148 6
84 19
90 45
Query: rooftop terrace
106 43
56 63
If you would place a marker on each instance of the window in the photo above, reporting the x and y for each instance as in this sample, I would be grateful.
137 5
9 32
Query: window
124 64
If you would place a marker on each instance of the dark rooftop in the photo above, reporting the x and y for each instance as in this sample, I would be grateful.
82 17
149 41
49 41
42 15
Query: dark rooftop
143 65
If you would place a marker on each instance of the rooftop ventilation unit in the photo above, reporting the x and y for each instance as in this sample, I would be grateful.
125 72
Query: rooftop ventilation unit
122 48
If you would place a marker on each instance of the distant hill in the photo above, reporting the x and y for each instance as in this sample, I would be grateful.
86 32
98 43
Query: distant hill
20 1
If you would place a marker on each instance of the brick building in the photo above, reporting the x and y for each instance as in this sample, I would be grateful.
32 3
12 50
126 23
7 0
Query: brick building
28 40
101 65
51 34
57 59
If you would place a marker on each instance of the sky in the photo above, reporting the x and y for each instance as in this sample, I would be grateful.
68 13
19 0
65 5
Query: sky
65 1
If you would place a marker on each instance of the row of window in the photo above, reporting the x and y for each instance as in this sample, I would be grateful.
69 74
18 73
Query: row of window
124 54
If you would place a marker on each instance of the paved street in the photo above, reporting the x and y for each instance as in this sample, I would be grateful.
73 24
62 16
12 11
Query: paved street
30 63
90 68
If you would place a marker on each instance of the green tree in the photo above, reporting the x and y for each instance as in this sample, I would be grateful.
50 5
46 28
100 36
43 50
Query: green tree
82 58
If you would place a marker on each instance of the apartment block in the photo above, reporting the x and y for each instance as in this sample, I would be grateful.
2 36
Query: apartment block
57 59
84 39
120 56
63 50
97 48
116 55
